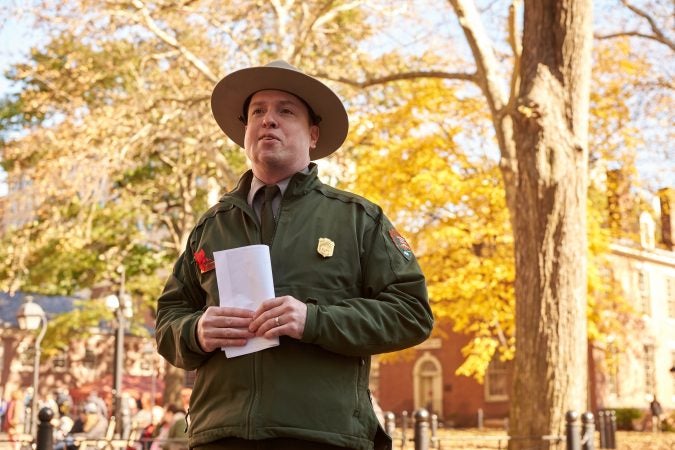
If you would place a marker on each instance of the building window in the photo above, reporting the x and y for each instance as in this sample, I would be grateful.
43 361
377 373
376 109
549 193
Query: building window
647 227
670 296
643 292
613 371
60 362
650 383
89 359
496 381
27 357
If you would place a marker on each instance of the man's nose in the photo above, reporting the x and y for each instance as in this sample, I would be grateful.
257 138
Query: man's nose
270 120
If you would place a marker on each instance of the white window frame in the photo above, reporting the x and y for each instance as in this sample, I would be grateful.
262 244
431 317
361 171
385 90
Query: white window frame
496 368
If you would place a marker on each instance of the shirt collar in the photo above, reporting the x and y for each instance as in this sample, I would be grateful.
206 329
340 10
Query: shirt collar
256 185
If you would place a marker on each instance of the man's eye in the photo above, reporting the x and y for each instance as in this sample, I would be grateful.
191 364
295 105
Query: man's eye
256 111
286 111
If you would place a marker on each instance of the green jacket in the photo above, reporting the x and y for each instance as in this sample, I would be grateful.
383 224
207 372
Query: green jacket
368 297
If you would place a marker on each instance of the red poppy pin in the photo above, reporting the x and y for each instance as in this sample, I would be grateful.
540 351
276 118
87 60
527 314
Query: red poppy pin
401 244
205 264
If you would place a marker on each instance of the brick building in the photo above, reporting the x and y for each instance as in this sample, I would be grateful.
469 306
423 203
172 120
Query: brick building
86 365
429 381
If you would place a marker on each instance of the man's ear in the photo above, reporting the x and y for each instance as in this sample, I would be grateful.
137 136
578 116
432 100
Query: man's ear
313 136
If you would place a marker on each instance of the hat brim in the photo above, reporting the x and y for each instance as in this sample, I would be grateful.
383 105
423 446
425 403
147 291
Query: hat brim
229 95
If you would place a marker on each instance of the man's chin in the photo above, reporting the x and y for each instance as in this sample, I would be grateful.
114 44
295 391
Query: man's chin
281 166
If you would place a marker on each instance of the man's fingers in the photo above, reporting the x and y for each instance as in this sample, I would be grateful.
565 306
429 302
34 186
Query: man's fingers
223 326
269 304
219 322
228 311
265 317
281 316
228 333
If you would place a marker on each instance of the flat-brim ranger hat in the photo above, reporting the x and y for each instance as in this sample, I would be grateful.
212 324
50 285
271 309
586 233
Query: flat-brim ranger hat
230 94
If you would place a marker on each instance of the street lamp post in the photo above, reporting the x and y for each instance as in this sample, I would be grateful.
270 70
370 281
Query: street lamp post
112 301
121 306
31 316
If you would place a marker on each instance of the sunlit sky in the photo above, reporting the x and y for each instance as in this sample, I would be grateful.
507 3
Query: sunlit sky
15 42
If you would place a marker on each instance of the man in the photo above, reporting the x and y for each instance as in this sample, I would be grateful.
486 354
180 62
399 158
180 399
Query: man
95 429
656 410
13 424
185 393
176 437
347 285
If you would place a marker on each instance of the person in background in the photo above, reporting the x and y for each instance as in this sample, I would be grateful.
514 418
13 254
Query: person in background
128 411
3 408
176 438
161 433
150 431
96 399
65 423
15 418
185 394
347 284
143 418
94 428
656 410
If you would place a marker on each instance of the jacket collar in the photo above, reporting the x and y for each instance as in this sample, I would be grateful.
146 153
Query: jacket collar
300 184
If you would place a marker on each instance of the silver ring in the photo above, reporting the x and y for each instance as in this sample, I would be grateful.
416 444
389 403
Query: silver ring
276 320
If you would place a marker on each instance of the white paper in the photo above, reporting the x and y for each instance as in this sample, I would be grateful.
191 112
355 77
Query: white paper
244 277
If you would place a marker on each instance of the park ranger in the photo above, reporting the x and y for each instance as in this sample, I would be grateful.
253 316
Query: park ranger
347 284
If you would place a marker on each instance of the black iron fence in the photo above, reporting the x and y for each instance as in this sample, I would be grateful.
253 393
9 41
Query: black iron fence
45 440
421 430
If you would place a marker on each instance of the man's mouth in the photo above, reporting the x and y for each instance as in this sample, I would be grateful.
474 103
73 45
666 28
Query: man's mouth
268 137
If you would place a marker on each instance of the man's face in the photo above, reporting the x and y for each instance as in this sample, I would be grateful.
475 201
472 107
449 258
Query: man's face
185 395
279 135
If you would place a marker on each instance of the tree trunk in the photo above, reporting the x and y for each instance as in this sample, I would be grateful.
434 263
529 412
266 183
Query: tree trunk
550 130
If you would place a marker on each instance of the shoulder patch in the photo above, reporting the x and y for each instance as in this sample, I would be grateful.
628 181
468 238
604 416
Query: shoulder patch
204 262
400 243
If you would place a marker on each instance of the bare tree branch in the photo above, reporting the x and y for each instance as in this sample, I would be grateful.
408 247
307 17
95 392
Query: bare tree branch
516 45
658 35
152 25
331 12
665 41
402 76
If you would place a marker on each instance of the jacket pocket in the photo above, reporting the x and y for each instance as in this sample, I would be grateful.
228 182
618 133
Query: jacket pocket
309 388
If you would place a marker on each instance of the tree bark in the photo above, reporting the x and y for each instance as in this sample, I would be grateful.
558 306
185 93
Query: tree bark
550 131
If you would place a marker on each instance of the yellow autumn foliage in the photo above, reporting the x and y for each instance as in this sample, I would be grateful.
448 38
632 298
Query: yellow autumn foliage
449 203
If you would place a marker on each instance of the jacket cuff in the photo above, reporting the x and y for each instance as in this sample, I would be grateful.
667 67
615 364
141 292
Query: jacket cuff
192 338
309 334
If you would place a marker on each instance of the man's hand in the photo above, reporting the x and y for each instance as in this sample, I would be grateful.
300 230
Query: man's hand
280 316
224 327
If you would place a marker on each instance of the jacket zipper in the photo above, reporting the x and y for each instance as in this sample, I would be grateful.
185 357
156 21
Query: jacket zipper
250 428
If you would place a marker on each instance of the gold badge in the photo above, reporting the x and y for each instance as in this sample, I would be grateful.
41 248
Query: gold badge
325 247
